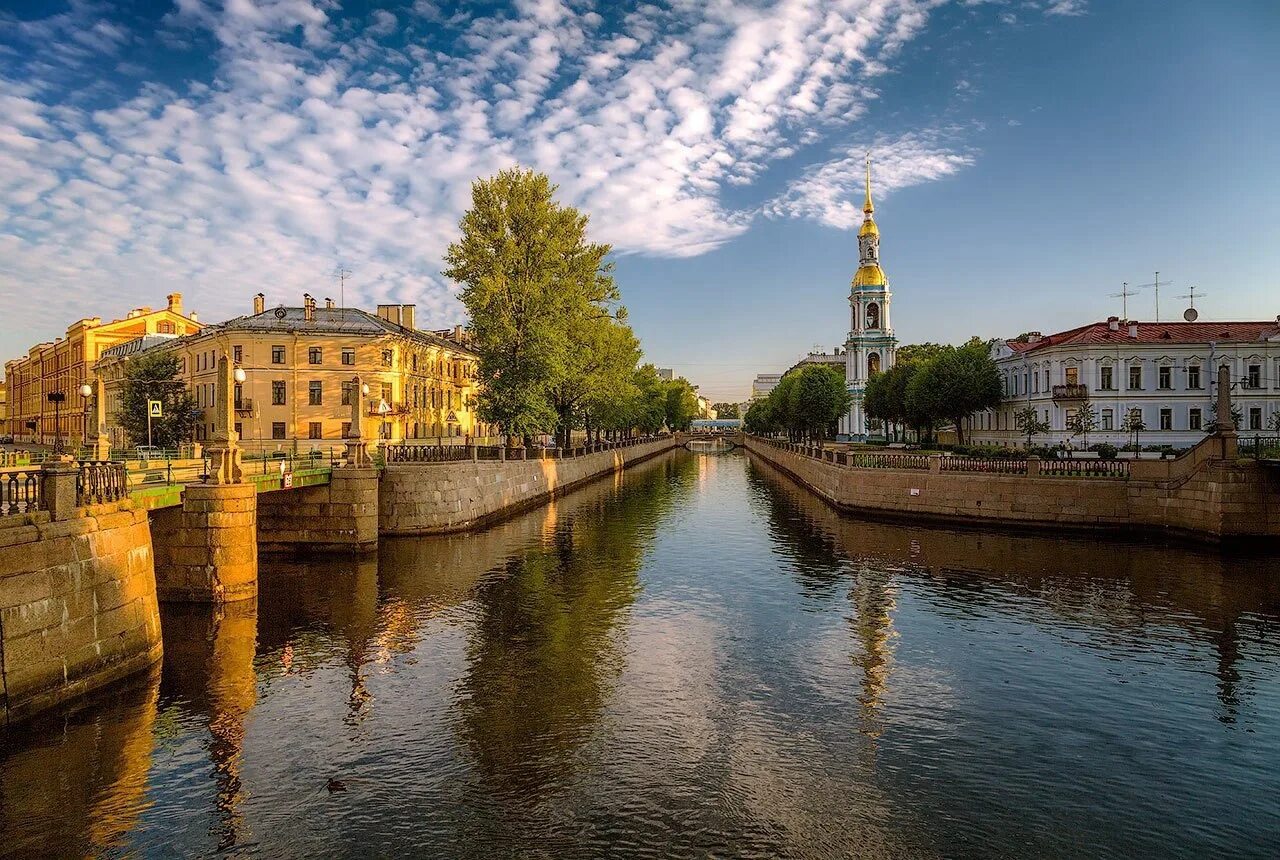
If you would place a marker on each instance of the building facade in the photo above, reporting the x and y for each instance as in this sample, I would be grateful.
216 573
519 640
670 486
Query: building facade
763 385
871 346
1165 373
63 365
299 365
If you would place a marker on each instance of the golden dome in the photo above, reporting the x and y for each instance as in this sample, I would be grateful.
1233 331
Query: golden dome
870 275
869 228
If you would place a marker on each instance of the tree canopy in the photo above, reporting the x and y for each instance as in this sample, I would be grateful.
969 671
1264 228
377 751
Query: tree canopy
153 375
931 383
726 410
807 402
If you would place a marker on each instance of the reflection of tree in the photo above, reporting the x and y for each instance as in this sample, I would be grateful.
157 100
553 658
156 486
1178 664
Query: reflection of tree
545 652
208 669
1120 590
81 789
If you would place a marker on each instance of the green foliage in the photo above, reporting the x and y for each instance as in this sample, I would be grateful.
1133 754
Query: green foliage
1030 424
1133 425
918 353
152 375
1083 421
954 384
532 285
806 402
1105 450
726 410
681 403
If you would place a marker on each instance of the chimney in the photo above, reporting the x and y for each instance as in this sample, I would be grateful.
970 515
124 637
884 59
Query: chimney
406 315
193 316
1113 323
390 313
328 303
1034 337
308 307
457 334
1133 329
259 303
175 302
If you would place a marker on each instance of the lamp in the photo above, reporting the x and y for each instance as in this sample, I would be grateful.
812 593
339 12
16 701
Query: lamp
86 391
239 375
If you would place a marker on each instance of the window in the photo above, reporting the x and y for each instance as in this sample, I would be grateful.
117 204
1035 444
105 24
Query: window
1166 377
1035 382
386 429
1135 376
1166 419
1108 378
1026 383
1193 377
346 429
1073 376
237 354
386 358
1254 376
277 429
415 361
348 389
277 392
277 355
315 430
1195 419
1108 419
164 327
1255 418
239 429
348 356
314 355
239 395
315 393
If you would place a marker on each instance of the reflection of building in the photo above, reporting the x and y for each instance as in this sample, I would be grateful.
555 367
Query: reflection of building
300 362
64 365
4 408
1164 372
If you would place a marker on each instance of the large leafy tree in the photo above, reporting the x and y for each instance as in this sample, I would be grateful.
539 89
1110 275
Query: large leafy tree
954 384
152 375
531 282
682 404
817 399
649 407
726 410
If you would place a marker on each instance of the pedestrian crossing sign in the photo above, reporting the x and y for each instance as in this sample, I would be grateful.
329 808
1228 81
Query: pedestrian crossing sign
154 409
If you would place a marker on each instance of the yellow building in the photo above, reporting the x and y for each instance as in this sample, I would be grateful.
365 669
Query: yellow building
4 408
300 363
64 364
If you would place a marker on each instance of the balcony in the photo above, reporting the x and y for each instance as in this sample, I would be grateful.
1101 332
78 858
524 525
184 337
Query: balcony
244 407
1071 391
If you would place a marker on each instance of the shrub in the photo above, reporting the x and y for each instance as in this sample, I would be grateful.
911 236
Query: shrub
1105 450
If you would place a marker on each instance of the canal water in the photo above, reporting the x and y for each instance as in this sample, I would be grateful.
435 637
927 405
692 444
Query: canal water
695 659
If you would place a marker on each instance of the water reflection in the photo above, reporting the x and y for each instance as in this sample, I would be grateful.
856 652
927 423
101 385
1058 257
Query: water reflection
695 658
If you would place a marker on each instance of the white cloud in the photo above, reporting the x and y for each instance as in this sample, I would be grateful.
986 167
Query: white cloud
319 140
1066 7
832 192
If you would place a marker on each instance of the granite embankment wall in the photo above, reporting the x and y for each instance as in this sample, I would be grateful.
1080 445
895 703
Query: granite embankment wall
340 516
78 605
1201 495
436 498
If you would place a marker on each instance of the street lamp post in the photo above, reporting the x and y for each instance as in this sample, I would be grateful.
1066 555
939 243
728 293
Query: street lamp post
57 398
86 392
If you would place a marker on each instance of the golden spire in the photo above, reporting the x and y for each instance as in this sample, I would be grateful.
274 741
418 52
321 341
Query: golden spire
867 207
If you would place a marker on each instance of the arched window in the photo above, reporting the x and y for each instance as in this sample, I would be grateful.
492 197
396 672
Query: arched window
873 315
873 362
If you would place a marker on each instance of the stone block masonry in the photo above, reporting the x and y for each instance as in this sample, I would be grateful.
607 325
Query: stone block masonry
1202 495
341 516
78 606
437 498
207 549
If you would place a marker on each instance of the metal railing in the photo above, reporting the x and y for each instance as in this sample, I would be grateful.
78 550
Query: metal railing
1260 447
994 466
1071 391
876 460
426 453
21 490
456 453
100 482
1085 468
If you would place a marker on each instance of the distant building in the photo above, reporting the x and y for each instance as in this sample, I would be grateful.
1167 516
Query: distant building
666 374
4 408
1165 372
300 362
65 364
763 384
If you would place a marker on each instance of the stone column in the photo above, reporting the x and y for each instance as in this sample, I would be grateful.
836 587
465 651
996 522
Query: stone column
357 448
58 487
1033 465
101 444
1225 430
207 552
224 453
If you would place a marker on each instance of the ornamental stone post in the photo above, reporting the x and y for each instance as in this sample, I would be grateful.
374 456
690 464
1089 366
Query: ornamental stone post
224 453
101 444
1225 429
357 448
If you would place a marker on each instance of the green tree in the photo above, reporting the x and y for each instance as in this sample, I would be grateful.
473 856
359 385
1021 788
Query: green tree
649 406
726 410
954 384
152 375
530 281
1133 425
817 399
917 353
760 418
1029 422
682 404
1083 421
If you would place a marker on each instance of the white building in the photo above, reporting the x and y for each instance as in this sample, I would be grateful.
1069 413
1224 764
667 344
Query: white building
763 384
1165 372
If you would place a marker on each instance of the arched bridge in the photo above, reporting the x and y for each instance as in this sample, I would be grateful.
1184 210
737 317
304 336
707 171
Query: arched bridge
712 441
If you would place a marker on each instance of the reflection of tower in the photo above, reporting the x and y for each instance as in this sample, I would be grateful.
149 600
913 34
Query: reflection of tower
1228 675
209 662
871 346
356 616
873 598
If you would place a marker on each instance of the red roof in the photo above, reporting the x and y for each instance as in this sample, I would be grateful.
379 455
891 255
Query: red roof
1158 332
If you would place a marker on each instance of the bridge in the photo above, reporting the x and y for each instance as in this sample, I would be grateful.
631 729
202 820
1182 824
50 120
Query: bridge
713 442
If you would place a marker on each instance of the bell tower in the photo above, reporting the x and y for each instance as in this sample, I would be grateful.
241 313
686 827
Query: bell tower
871 346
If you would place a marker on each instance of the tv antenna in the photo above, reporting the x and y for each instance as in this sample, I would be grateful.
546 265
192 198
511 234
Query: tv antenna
1191 314
343 273
1123 295
1156 284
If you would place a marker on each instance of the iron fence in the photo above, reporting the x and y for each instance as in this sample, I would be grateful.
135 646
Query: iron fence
99 482
1085 468
21 491
995 466
1260 447
873 460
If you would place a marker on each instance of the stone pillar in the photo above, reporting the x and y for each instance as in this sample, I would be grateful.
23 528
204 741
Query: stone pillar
1225 429
935 464
209 554
58 487
357 448
353 496
224 453
101 444
1033 465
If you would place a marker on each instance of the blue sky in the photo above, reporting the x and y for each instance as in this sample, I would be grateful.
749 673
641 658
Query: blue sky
1030 156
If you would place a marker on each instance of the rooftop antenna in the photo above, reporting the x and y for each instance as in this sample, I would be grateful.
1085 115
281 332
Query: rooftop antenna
1123 295
1156 284
343 274
1191 314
